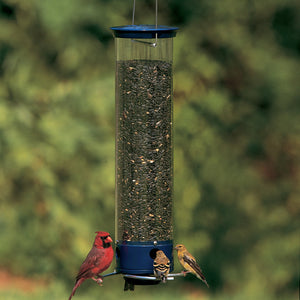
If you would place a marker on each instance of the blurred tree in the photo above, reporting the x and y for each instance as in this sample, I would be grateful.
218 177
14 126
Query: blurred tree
57 116
237 138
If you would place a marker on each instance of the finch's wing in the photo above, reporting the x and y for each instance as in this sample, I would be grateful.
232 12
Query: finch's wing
92 260
190 260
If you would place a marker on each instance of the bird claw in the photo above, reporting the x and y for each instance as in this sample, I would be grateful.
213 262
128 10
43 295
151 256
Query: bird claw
185 272
98 280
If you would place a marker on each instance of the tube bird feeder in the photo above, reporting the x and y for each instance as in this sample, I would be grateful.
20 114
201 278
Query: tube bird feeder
144 146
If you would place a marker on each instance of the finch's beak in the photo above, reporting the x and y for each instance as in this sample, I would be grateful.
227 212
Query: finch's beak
175 248
108 240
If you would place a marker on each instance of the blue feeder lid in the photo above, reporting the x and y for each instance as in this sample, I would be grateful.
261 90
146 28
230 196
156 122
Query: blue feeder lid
144 31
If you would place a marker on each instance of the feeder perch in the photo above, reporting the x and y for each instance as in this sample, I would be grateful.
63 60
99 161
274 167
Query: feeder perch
144 149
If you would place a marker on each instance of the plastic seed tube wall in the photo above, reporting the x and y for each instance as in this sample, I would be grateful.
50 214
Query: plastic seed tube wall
144 150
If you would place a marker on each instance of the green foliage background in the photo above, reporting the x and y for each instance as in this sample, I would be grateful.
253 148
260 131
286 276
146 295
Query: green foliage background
237 142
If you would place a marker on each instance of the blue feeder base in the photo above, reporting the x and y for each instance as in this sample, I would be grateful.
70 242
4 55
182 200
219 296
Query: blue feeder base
136 258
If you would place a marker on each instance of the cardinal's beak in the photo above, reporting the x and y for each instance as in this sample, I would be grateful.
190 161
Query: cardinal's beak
108 240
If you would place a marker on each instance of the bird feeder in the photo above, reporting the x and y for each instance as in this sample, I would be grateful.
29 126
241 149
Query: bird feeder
144 146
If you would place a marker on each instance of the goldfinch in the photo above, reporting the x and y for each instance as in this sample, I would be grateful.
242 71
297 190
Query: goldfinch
189 262
161 266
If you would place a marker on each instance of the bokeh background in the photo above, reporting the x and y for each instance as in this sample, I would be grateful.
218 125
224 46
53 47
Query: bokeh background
237 144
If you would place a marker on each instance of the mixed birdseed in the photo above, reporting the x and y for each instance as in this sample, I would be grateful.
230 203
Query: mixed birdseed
144 154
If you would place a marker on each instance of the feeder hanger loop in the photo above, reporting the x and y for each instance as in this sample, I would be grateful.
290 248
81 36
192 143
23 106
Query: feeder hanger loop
156 13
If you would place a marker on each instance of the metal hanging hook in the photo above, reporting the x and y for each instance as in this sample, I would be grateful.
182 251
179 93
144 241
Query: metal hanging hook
156 18
133 12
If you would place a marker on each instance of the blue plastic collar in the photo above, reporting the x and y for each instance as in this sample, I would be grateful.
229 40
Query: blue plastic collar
135 257
144 31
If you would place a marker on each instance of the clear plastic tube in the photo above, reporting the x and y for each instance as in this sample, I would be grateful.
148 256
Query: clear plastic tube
144 151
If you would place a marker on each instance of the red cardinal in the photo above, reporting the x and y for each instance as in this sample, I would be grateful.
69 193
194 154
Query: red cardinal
97 261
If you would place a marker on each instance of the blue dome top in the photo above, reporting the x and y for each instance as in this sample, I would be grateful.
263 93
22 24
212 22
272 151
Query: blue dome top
144 31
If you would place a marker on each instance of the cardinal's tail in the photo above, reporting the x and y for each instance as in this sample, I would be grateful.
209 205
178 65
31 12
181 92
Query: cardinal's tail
77 284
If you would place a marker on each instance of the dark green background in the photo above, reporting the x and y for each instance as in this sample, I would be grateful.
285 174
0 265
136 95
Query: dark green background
236 140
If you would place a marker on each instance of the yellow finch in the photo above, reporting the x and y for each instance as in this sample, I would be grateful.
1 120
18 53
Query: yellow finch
161 266
189 263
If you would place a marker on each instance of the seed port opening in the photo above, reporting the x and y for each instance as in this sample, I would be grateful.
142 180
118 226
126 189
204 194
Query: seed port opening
152 253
